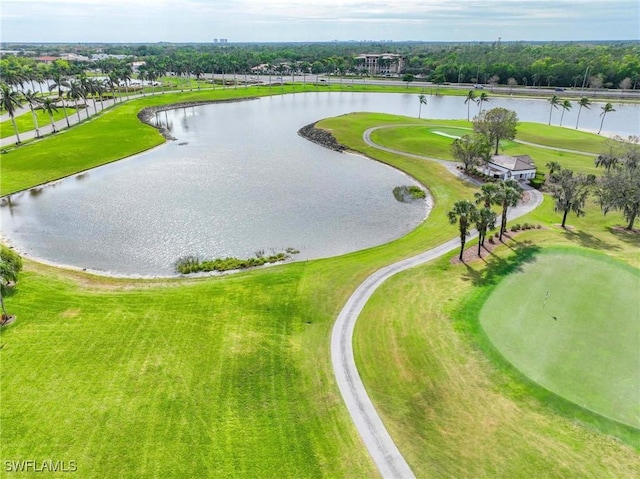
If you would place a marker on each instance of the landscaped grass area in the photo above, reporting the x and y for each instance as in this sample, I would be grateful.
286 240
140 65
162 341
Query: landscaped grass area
24 122
571 322
428 142
231 376
452 404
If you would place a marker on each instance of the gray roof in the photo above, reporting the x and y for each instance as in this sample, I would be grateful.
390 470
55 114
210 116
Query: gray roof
514 163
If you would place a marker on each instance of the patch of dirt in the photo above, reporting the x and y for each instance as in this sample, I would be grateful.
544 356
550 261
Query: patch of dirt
7 320
471 252
70 313
624 230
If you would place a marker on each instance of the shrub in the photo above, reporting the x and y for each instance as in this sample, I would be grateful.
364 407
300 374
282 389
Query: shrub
191 264
538 181
187 264
404 194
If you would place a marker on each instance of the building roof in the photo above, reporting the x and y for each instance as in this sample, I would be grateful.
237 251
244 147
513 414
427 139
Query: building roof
514 163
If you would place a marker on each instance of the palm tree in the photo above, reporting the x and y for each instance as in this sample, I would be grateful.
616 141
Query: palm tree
465 214
485 220
554 101
554 167
605 109
10 102
566 105
583 102
75 92
471 97
50 107
33 101
509 193
142 76
423 101
86 85
112 80
124 74
481 99
97 87
488 194
59 81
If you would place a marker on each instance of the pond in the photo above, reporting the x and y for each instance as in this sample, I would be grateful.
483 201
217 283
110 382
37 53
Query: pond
239 180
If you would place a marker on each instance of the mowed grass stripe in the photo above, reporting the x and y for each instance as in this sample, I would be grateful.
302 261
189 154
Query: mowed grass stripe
571 323
199 380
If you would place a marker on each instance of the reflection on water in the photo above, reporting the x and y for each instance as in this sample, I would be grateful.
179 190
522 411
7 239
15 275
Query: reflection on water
237 180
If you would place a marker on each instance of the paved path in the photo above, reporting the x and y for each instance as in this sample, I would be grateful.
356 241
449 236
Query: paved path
382 449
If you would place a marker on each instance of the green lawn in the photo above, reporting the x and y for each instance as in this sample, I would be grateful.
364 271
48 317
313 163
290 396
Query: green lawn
24 122
571 323
231 376
455 407
426 141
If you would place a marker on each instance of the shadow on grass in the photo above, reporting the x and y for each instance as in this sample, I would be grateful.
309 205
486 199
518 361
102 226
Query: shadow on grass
493 267
588 240
628 236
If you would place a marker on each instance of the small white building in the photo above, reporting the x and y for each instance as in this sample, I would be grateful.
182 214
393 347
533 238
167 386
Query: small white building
505 167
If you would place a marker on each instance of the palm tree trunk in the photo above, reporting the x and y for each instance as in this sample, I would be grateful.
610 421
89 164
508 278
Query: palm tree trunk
503 223
601 123
66 117
578 120
35 121
15 128
53 123
75 102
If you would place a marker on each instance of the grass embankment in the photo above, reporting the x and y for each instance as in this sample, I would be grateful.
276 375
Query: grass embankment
226 376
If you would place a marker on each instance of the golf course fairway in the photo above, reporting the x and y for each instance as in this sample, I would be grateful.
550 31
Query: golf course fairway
570 321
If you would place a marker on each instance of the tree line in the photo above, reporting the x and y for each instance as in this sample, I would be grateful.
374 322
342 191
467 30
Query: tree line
594 65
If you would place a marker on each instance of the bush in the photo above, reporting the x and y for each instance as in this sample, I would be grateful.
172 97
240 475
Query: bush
192 264
404 194
538 181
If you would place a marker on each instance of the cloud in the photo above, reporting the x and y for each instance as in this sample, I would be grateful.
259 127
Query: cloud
250 20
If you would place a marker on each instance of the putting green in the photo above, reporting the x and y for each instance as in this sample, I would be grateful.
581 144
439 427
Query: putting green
570 321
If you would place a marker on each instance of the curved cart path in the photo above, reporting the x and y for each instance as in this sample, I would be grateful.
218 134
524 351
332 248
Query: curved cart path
383 450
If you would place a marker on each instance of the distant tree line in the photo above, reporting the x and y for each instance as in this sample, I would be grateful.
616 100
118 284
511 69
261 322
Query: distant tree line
592 65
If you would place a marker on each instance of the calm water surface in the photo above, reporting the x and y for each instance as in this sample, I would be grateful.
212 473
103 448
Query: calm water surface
237 180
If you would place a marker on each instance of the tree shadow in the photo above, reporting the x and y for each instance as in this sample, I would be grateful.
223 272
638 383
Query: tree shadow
625 235
495 267
588 240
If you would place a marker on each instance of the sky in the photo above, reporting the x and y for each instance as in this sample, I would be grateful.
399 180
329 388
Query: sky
150 21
